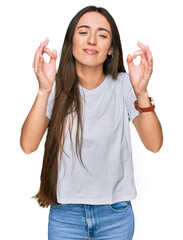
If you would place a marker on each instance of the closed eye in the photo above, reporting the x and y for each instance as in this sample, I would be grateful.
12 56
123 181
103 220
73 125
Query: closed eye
86 33
103 36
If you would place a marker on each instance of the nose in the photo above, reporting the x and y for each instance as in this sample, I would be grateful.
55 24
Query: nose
92 39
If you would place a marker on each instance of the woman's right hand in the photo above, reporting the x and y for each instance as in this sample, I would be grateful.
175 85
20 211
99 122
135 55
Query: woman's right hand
45 72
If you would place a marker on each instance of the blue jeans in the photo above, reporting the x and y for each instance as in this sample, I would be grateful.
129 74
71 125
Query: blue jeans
85 221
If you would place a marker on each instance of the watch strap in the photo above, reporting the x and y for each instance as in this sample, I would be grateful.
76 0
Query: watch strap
147 109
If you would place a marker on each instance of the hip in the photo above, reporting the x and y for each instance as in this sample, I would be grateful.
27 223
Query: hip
85 221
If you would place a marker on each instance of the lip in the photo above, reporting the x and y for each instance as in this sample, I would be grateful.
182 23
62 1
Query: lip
90 51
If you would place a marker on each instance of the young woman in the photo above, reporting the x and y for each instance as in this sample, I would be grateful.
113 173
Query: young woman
87 175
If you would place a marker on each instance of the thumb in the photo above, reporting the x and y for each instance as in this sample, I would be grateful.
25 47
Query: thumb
54 56
130 60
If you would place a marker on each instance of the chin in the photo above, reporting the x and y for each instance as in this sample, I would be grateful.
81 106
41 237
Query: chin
89 63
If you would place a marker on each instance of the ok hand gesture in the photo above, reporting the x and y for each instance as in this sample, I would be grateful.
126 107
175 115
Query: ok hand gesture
45 72
140 74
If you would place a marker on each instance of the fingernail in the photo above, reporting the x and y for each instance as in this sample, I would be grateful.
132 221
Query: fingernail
46 39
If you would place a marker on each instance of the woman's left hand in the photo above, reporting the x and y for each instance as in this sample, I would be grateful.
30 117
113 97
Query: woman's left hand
140 74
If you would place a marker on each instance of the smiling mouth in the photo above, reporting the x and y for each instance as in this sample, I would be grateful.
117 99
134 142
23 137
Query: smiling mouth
90 51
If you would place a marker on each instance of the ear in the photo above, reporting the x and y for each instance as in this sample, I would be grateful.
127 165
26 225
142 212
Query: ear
110 51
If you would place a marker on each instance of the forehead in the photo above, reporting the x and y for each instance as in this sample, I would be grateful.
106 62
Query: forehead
94 20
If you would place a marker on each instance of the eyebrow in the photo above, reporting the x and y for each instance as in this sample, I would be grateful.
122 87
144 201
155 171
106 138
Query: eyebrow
100 28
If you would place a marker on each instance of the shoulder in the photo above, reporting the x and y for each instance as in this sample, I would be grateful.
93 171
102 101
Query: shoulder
123 83
122 75
123 80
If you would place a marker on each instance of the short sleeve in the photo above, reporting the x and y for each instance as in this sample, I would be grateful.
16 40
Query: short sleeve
50 102
130 98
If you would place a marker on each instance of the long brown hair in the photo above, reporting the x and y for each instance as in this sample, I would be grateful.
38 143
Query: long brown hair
67 102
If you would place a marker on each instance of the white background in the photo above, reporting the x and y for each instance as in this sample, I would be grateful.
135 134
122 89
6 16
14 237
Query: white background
24 24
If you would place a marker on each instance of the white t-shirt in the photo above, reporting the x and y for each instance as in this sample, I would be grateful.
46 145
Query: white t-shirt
106 149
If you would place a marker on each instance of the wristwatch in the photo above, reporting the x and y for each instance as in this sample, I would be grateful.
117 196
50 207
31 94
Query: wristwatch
147 109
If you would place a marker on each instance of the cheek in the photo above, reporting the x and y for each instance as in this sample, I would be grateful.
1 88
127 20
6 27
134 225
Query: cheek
77 46
104 51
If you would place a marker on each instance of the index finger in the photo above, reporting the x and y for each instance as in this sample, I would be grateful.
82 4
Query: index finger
39 51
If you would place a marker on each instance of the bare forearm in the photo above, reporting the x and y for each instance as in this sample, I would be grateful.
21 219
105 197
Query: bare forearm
148 126
35 124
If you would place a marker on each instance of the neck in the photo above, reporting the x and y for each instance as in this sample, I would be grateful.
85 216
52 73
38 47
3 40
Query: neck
90 77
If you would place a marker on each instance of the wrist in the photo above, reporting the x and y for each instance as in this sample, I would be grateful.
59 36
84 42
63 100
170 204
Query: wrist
42 92
143 100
